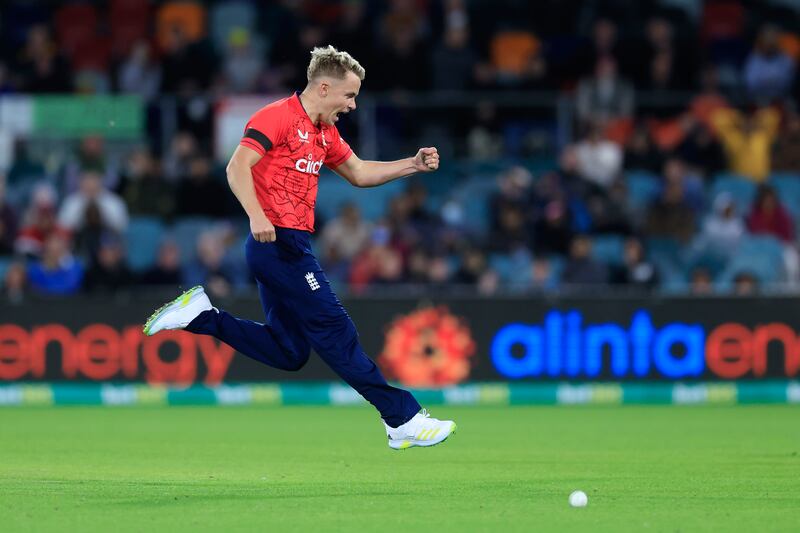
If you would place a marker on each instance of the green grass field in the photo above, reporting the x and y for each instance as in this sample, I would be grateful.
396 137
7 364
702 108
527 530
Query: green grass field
329 469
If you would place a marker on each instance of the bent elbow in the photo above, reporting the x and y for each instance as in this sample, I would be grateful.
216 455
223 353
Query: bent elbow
230 173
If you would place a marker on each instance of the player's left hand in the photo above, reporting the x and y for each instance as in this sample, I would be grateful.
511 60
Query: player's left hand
426 160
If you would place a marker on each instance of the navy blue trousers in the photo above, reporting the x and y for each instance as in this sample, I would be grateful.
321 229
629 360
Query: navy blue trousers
302 312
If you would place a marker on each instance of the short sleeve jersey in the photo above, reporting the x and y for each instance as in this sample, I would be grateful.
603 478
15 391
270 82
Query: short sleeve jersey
293 150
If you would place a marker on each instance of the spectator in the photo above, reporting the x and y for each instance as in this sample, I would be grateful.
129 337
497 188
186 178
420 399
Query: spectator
88 238
454 61
513 230
15 284
700 282
209 268
91 157
91 193
139 74
418 266
768 216
201 192
581 268
345 236
605 96
747 140
709 99
543 277
167 270
768 71
109 273
636 271
700 150
427 224
641 152
745 284
182 56
58 272
599 160
243 63
510 208
552 233
380 262
605 43
8 222
473 267
403 62
42 69
675 171
439 272
786 152
182 150
722 229
513 189
484 140
143 188
38 223
608 210
670 216
666 63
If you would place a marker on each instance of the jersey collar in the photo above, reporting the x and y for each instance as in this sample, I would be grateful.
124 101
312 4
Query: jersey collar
298 106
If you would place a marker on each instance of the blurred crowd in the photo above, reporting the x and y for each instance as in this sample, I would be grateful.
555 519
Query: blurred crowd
682 171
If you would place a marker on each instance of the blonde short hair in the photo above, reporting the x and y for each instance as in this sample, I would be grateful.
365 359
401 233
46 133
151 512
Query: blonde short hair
328 61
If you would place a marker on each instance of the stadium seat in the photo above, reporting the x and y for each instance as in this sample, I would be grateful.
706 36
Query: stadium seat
759 255
75 25
667 254
129 21
335 191
5 263
190 17
185 232
742 190
608 249
788 188
474 195
501 263
643 187
226 17
143 239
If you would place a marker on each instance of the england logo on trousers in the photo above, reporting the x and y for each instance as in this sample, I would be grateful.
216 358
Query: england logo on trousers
312 281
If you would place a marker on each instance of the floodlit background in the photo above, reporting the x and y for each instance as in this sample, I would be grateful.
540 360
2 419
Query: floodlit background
618 196
614 222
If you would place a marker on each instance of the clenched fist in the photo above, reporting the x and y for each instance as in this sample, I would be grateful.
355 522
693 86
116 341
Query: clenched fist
262 229
427 160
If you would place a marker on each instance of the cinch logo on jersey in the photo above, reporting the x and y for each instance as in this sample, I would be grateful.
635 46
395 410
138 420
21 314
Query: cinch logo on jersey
564 347
309 166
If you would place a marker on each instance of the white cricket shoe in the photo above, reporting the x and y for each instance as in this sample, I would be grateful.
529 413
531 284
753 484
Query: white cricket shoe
422 430
179 312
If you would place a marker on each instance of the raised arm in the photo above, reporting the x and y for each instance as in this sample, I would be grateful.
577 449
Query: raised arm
240 180
373 173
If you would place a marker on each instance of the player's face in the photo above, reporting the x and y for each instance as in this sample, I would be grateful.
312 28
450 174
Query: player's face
341 97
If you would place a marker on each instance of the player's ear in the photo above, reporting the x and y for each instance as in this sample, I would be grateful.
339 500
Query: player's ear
323 89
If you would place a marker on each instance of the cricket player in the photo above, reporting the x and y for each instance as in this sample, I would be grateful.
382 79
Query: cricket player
274 173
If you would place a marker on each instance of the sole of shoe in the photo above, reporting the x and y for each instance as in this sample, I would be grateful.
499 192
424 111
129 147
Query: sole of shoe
181 301
405 444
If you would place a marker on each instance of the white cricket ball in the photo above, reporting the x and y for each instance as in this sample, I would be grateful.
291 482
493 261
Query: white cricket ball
578 498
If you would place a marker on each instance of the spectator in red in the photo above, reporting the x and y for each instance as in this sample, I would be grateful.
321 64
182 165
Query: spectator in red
768 216
38 223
